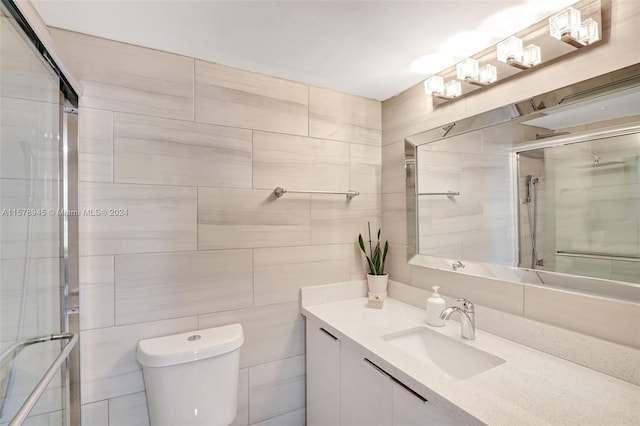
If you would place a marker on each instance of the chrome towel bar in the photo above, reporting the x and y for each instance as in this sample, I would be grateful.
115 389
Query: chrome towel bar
449 194
37 392
604 256
279 192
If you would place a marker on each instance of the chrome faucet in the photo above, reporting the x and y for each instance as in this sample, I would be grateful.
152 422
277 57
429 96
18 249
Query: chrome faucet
467 318
457 264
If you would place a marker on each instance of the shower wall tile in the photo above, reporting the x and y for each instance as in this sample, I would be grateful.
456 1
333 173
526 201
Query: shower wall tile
14 275
47 419
246 218
28 130
48 294
97 292
17 123
366 168
122 77
172 152
129 410
108 362
155 218
271 332
295 162
280 272
339 116
14 228
232 97
95 413
338 220
170 285
31 366
276 388
595 316
95 146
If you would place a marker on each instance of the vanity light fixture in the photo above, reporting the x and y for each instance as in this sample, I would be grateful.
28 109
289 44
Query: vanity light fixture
511 52
435 86
452 89
470 71
519 53
488 74
567 26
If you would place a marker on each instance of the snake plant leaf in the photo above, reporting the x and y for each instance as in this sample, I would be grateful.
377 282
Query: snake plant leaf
361 243
378 255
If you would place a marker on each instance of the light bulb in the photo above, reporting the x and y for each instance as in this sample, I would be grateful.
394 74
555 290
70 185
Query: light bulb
434 85
487 74
531 55
468 69
452 89
565 23
510 50
589 32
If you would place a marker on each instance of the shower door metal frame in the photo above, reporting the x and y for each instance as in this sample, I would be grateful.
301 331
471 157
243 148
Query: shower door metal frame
70 297
69 246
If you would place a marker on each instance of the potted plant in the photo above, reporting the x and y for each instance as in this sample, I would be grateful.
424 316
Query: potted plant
376 278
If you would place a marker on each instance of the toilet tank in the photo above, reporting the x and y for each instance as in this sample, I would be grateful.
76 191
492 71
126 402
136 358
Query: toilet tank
192 378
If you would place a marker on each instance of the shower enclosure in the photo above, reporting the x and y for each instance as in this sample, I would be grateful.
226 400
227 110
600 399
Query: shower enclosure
39 368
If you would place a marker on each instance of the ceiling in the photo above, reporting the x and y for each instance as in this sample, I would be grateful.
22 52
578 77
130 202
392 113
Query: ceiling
374 49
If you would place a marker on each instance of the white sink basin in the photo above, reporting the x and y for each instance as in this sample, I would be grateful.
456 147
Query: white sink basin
455 358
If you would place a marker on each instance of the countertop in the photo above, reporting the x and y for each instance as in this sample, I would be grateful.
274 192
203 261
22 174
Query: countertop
530 388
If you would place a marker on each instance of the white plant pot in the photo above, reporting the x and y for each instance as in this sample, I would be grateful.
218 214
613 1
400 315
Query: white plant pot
378 284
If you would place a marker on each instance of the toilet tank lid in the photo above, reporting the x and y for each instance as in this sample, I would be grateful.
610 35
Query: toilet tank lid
191 346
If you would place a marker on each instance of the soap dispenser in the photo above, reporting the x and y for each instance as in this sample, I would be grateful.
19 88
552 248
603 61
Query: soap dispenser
435 305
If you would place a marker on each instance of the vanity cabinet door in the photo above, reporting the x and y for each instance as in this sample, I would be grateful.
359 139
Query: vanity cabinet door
323 377
366 392
409 409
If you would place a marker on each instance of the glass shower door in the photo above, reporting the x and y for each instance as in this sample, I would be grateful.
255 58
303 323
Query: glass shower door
31 226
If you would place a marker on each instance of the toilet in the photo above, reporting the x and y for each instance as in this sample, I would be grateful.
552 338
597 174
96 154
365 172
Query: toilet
192 378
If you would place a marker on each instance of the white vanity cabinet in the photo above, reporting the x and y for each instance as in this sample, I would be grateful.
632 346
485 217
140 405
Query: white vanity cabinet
410 409
345 387
366 398
323 377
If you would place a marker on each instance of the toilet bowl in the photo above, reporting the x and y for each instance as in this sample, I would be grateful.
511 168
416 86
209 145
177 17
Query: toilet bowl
192 378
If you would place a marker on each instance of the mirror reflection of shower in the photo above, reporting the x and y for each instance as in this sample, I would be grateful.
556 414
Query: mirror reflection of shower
579 207
532 176
532 198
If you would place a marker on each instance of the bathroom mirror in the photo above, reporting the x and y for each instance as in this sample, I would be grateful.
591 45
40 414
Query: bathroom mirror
543 191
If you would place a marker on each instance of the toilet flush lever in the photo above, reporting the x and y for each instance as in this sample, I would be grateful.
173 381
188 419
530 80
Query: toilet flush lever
194 338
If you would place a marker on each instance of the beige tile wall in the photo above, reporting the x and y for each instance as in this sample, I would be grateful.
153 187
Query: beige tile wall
411 112
193 151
